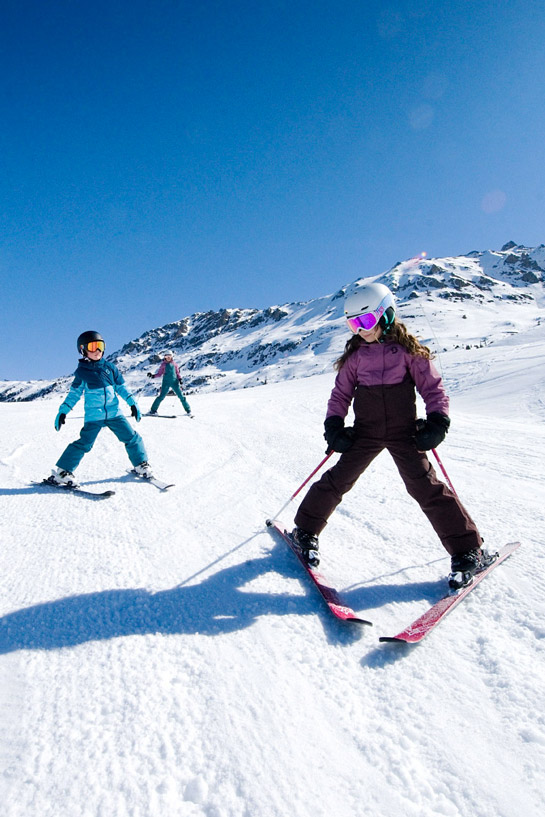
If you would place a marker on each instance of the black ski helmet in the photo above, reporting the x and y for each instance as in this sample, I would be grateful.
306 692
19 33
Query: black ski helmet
87 337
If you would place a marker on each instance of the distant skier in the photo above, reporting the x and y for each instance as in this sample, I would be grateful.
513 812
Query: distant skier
100 382
379 369
172 379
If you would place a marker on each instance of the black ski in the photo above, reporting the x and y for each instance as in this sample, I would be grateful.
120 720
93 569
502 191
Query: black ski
328 594
162 416
75 490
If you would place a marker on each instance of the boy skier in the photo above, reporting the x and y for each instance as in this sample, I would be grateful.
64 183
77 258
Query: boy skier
100 382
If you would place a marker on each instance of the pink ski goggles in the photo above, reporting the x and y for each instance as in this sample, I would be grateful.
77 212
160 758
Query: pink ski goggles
366 321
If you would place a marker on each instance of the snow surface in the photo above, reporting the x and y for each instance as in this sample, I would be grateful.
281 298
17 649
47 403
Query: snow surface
163 654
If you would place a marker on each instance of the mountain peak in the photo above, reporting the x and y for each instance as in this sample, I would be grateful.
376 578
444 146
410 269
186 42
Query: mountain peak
241 347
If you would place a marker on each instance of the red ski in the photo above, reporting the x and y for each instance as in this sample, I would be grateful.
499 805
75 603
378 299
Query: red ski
422 626
329 594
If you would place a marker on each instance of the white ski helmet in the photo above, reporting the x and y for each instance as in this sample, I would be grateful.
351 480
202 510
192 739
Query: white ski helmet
370 305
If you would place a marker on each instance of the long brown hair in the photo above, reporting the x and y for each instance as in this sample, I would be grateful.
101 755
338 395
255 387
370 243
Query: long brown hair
396 333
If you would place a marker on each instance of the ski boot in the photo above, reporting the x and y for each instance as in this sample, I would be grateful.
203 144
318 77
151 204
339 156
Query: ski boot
465 565
61 477
143 470
308 545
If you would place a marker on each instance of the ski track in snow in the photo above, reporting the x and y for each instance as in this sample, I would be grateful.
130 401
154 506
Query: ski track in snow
165 654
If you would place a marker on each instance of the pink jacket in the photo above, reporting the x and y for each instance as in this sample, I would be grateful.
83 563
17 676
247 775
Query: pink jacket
386 364
161 370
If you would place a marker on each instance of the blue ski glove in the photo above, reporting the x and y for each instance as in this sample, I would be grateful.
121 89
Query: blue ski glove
60 420
135 411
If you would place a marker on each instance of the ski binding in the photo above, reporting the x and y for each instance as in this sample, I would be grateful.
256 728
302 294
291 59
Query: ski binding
162 486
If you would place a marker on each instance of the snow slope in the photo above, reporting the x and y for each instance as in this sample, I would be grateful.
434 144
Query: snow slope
164 654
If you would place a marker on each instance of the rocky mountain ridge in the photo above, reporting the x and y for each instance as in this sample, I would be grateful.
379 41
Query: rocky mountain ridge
501 292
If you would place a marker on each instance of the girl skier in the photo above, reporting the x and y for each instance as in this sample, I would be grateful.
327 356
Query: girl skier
379 370
172 379
100 382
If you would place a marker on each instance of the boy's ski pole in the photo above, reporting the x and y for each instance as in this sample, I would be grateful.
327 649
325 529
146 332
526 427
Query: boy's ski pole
300 488
442 467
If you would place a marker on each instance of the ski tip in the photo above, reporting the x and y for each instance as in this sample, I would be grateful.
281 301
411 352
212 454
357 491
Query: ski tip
389 639
347 614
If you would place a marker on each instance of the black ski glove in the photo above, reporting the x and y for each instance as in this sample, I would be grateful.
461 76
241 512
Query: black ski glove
150 374
431 431
338 437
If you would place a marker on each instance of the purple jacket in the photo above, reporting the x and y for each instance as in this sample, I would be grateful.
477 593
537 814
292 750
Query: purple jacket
386 364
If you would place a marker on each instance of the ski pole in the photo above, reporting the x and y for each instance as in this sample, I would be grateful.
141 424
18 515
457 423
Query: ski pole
442 467
300 488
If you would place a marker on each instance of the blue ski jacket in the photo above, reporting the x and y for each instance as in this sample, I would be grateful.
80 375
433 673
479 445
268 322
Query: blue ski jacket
100 382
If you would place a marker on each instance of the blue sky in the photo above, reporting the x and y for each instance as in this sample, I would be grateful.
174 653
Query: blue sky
162 157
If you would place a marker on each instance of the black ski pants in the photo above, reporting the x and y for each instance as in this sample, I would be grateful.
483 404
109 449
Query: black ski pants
450 520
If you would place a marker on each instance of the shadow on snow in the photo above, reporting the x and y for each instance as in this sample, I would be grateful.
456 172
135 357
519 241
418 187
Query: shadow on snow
217 605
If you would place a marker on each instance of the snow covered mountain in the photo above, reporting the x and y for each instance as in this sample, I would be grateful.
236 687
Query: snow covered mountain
486 296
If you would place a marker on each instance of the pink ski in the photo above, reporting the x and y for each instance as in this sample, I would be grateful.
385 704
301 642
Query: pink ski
422 626
329 594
